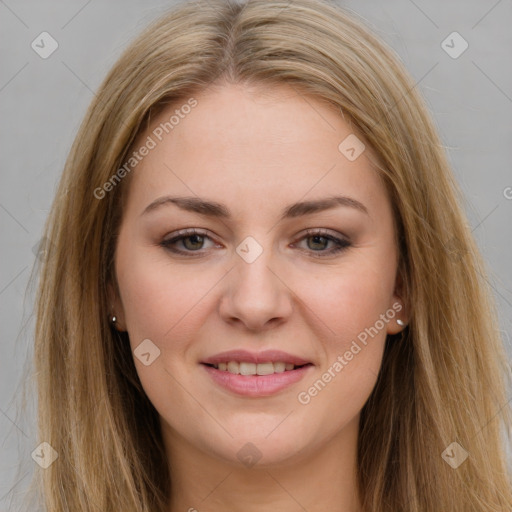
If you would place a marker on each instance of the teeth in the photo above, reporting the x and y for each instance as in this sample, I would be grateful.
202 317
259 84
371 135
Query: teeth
243 368
280 367
233 367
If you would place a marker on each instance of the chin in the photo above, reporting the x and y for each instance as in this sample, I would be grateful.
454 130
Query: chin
257 450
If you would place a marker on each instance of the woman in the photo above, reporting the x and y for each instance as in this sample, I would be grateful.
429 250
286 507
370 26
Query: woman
197 346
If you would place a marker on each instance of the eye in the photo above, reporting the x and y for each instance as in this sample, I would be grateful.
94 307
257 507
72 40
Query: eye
192 239
320 238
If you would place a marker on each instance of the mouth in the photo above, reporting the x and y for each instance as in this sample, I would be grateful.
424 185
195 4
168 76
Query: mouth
255 374
256 369
255 380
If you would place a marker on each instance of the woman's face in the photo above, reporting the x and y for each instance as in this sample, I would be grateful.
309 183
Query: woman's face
235 159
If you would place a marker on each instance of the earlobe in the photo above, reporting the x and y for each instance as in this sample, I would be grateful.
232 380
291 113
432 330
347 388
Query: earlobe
399 307
116 311
397 315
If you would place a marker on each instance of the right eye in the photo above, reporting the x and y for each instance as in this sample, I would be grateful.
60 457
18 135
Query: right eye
192 239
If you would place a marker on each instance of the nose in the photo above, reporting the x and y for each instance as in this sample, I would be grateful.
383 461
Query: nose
256 295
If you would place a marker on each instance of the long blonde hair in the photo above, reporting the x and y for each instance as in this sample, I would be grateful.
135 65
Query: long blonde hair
442 380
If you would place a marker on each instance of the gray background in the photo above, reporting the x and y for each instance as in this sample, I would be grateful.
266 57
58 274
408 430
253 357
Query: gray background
42 102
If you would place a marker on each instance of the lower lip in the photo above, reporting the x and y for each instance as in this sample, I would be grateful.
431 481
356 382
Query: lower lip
256 385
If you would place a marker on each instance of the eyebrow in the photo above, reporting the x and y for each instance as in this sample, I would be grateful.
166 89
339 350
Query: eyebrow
218 210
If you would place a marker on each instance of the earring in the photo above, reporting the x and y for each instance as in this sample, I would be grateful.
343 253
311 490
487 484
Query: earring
400 322
113 322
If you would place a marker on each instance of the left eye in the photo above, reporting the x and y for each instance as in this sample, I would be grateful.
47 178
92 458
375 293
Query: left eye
192 240
321 238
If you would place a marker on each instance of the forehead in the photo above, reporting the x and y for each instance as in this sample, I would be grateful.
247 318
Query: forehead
252 145
236 118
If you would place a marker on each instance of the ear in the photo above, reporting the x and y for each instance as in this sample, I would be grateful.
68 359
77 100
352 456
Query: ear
116 307
399 305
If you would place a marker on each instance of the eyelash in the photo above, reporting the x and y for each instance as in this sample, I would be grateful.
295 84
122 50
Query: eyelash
341 244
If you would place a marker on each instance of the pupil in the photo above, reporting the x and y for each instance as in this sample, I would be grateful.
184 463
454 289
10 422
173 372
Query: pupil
316 237
195 237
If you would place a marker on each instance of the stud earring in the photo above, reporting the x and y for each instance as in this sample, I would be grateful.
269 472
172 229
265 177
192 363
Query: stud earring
400 322
114 324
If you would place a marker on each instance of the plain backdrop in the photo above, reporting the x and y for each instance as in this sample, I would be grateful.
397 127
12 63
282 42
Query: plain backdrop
43 100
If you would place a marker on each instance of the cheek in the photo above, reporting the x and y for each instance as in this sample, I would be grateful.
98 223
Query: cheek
348 298
159 298
165 305
353 311
353 302
351 305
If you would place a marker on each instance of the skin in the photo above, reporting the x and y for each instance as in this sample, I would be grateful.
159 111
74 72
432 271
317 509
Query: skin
257 151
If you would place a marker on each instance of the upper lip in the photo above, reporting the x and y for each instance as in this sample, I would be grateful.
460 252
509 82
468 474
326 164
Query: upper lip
240 355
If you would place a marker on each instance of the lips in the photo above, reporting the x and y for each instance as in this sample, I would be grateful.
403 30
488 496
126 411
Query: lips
267 356
256 386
